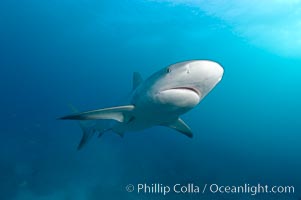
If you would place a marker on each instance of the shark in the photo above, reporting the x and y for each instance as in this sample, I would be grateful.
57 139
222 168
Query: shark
159 100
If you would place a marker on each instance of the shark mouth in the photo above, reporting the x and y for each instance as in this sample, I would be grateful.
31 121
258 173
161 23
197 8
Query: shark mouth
188 88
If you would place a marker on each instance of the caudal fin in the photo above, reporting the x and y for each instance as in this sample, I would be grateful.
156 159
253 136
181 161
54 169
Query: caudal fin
87 135
90 125
87 129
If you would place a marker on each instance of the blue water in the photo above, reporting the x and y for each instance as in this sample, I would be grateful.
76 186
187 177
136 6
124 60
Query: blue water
59 52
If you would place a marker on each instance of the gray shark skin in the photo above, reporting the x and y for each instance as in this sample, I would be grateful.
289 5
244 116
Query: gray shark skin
160 100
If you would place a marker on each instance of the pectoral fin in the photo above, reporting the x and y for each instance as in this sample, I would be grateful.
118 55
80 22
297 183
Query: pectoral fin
180 126
120 113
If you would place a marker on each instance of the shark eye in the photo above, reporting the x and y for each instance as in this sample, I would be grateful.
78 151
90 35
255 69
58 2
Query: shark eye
168 70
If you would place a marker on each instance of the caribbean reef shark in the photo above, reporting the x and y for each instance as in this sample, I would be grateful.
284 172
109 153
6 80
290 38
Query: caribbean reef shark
159 100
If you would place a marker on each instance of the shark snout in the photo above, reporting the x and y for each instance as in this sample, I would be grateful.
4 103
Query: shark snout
219 70
206 67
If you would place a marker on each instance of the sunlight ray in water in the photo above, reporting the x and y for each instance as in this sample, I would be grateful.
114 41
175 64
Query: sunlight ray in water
275 25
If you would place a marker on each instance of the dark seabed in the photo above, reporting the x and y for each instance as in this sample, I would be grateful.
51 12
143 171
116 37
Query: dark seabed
59 52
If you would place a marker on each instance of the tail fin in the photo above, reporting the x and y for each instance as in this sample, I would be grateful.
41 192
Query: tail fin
89 123
87 128
87 135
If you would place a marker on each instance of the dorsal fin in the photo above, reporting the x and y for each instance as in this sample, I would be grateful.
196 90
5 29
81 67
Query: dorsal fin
137 79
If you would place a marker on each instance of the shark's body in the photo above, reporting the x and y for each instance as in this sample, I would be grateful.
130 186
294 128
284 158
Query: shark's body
159 100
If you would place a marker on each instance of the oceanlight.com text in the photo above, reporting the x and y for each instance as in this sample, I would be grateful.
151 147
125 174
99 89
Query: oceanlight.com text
193 188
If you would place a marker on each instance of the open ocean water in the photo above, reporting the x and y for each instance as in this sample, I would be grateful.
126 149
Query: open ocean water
54 53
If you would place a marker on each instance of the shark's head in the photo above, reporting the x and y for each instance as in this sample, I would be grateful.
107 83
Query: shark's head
185 84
